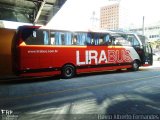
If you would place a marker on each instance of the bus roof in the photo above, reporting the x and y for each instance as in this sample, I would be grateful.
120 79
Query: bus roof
81 30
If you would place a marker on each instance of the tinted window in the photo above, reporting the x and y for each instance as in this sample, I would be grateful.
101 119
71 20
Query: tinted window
142 38
61 38
98 39
133 40
35 37
120 41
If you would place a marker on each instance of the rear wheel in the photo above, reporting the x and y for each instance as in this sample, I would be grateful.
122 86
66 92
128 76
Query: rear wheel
135 66
68 71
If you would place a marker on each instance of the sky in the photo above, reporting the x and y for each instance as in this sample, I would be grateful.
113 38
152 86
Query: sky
78 14
136 9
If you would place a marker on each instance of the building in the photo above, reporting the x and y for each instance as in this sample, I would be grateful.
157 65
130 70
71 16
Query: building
152 32
109 17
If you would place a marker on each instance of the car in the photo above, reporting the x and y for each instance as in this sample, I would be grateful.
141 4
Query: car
156 56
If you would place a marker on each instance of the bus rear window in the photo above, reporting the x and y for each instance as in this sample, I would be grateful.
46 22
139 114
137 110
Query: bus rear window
35 37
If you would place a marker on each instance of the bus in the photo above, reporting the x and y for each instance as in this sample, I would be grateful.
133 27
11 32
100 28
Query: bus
46 52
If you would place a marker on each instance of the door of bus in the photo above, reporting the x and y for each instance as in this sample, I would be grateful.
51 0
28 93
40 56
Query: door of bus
148 55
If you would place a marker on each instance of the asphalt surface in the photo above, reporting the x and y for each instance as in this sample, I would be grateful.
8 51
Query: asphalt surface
108 95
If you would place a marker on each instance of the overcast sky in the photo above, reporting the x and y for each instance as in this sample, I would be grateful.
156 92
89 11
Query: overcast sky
77 14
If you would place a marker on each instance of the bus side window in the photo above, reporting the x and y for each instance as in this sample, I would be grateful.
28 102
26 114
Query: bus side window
118 41
84 37
35 37
81 38
89 39
114 41
136 42
101 41
106 40
39 38
130 40
62 39
67 38
58 40
34 34
96 39
52 37
46 38
29 36
74 40
133 40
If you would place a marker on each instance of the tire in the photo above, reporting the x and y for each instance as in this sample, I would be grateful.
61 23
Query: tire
68 71
135 66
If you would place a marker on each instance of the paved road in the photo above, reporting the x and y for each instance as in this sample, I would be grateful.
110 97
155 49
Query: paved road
109 93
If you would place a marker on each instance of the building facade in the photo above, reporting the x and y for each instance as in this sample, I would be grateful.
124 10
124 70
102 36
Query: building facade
109 17
152 32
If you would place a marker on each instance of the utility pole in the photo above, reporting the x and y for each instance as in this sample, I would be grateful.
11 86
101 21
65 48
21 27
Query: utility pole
93 20
143 27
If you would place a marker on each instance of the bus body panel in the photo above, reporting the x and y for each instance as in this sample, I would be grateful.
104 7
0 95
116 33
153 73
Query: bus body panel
35 59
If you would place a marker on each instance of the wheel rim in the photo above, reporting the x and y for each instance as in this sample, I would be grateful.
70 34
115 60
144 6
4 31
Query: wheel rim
135 65
68 71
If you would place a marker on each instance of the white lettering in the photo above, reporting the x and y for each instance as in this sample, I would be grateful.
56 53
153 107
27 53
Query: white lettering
87 59
6 112
93 56
111 56
102 57
78 59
